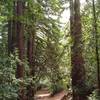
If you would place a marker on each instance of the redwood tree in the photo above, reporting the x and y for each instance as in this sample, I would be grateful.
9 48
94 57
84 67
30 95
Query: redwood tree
77 61
16 40
20 46
20 38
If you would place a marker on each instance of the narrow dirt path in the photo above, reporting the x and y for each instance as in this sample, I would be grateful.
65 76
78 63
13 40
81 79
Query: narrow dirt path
45 95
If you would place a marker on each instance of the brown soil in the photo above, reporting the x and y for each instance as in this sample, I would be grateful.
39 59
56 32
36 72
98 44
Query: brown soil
44 94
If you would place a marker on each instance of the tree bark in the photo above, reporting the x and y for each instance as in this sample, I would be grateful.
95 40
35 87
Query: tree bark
20 47
31 51
20 40
16 40
77 61
31 61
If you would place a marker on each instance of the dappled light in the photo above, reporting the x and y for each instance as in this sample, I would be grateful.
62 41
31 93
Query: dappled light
49 50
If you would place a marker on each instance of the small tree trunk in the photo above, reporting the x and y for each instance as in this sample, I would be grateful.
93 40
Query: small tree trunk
31 57
9 36
12 43
31 52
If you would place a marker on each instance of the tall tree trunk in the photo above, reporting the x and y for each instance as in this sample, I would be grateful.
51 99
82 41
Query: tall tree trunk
20 40
31 59
96 44
16 40
77 61
20 46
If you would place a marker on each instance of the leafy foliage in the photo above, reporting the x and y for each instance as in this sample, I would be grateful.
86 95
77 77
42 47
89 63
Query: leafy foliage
52 43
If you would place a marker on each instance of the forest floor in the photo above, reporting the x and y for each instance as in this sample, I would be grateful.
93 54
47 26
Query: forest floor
44 94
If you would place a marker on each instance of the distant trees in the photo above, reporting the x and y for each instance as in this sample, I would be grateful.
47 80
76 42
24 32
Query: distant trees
27 20
12 27
95 31
52 61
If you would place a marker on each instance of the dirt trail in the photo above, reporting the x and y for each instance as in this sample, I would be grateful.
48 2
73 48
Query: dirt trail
45 95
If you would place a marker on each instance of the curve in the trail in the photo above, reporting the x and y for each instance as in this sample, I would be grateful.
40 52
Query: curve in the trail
44 94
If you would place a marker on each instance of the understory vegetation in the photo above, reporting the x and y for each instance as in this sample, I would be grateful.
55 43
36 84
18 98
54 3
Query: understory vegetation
52 44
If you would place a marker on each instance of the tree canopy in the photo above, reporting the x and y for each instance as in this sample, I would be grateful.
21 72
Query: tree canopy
52 44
